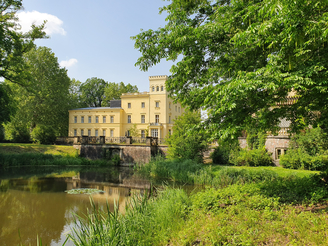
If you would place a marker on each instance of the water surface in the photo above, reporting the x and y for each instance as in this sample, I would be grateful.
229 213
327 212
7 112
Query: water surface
33 201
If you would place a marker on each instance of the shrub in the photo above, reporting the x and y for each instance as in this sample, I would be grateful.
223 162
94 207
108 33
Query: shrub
307 150
44 134
220 155
185 142
254 158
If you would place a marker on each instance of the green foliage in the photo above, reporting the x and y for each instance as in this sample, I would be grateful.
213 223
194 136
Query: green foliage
113 91
17 132
177 170
238 59
34 159
221 153
307 150
253 158
92 92
46 100
185 142
134 132
43 134
14 43
255 139
116 160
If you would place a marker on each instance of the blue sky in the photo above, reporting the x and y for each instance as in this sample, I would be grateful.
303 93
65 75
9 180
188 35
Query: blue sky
92 38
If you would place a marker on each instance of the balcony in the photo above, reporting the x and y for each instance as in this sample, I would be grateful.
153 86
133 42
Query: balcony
155 124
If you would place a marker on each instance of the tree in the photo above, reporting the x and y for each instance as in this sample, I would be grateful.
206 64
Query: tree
92 92
113 91
46 101
184 143
240 58
14 44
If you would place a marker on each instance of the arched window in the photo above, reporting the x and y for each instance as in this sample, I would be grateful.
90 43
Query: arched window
153 88
157 88
162 88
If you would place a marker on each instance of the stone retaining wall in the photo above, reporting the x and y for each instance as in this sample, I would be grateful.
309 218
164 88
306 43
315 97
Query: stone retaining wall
276 145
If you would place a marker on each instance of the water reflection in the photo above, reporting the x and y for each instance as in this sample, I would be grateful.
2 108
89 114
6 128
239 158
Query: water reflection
34 203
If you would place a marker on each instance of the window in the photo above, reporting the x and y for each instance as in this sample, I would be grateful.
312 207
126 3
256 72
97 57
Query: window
89 132
97 119
75 132
142 104
112 133
129 118
156 118
157 104
169 105
170 132
153 89
128 133
129 105
143 133
82 132
89 119
82 119
157 88
175 108
179 109
162 88
154 133
143 118
112 119
104 133
96 132
104 119
75 119
170 119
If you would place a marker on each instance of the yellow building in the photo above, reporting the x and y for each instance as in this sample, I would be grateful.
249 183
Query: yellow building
153 114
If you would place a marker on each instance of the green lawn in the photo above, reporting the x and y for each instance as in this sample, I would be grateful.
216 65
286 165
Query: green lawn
19 148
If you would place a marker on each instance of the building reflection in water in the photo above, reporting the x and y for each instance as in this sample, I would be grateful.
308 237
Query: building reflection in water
39 205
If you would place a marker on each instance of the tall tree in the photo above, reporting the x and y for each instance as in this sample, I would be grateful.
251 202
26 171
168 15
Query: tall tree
240 58
46 101
114 91
14 44
92 92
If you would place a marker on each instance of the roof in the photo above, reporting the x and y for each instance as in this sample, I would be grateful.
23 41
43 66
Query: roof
95 108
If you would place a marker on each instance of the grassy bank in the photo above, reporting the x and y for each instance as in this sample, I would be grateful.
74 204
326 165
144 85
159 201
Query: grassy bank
43 155
17 148
238 206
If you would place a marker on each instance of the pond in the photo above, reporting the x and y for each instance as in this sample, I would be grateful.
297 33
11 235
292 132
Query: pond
33 201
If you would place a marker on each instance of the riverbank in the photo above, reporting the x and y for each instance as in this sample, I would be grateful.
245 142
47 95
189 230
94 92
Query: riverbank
237 206
23 148
14 154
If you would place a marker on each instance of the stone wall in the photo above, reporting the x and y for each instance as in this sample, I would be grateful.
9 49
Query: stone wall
128 153
276 145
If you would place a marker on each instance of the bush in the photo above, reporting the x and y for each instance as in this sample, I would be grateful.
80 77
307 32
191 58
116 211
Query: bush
44 134
307 150
253 158
220 155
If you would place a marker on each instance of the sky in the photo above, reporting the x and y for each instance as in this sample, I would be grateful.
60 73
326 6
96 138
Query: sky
92 38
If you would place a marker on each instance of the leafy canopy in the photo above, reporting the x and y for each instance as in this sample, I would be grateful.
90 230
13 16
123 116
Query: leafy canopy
46 101
184 143
14 44
239 58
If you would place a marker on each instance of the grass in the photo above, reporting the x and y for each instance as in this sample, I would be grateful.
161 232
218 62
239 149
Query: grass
238 206
17 148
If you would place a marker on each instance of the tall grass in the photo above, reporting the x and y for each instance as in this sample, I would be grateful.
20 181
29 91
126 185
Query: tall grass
235 215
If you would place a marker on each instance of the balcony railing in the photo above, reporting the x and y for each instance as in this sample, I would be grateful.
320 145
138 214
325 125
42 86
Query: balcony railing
155 124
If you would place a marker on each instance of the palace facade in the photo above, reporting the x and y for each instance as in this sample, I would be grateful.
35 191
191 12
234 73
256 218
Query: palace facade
151 113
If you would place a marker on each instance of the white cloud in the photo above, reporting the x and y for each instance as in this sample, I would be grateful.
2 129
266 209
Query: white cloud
68 63
53 26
